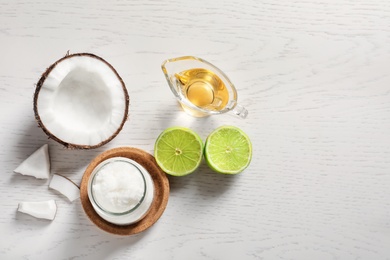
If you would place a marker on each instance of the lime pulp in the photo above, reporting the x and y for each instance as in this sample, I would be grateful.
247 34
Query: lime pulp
178 151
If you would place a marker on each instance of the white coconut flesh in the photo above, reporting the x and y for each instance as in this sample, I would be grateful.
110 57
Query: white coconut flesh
65 186
37 164
39 209
82 102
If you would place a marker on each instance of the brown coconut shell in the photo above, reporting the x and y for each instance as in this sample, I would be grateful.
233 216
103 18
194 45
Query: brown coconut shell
50 134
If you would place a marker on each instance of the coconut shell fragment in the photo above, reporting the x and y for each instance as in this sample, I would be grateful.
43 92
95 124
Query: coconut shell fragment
37 164
39 209
65 186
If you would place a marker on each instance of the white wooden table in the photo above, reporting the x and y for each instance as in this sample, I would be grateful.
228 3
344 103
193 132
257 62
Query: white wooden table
314 76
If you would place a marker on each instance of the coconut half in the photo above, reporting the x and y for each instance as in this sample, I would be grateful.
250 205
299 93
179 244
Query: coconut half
81 101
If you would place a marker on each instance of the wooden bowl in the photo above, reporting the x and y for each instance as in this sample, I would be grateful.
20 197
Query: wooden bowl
161 191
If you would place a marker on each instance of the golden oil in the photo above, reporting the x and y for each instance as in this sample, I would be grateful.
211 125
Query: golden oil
203 88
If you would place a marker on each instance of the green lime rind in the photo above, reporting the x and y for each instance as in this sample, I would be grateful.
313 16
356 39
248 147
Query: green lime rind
178 151
228 150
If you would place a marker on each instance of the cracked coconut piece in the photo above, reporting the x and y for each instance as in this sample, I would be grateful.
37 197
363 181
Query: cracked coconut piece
41 209
37 164
65 186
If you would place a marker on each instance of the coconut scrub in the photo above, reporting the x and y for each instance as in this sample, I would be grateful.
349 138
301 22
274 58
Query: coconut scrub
120 190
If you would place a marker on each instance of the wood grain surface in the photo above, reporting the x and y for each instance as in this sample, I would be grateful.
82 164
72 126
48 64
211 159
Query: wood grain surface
314 76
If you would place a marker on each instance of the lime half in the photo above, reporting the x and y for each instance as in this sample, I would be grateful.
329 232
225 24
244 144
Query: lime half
178 151
228 150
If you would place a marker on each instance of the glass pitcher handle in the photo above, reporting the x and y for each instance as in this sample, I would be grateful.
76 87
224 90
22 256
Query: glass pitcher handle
240 111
